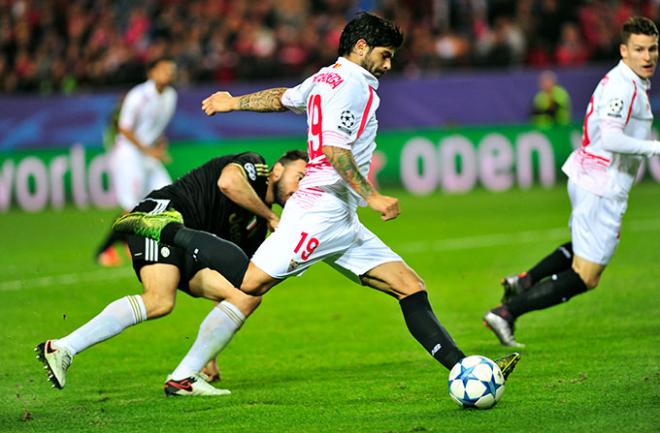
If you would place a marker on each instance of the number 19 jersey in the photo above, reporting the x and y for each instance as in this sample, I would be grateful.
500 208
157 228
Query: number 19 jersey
340 102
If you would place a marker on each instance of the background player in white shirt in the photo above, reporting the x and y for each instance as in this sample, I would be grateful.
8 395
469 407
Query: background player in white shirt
140 149
616 136
320 222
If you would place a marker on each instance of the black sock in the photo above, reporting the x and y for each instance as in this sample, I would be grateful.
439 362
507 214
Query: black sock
210 250
556 262
424 326
112 238
551 291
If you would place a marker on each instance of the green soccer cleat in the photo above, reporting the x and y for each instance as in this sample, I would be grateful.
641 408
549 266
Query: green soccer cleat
508 363
192 386
146 224
56 361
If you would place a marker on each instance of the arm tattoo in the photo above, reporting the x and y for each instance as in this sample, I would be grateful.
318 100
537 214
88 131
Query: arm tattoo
343 162
263 101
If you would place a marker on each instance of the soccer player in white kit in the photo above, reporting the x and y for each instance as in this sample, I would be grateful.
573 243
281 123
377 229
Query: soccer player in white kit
320 222
616 137
136 159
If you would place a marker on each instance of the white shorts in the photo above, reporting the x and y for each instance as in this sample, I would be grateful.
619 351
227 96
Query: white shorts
595 224
134 175
317 226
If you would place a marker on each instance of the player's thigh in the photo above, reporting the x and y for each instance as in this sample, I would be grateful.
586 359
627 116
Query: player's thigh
160 281
210 284
595 225
377 266
128 177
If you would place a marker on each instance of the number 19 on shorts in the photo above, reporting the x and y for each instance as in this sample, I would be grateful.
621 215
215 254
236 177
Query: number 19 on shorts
309 245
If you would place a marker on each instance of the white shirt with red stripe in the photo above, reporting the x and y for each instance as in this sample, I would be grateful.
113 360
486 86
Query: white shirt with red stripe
615 136
340 101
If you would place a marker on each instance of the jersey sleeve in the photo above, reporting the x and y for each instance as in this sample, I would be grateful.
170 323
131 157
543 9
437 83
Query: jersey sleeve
344 112
254 166
129 111
295 98
616 106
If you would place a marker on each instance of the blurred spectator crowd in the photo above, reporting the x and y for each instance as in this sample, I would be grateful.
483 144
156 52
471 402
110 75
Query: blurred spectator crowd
63 46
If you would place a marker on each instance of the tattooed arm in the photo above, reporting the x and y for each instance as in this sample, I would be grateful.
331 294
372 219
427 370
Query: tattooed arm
344 164
264 101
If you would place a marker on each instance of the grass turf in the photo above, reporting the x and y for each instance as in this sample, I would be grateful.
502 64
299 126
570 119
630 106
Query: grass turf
323 354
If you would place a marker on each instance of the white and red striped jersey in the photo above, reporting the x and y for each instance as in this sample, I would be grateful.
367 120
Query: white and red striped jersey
340 102
615 135
146 112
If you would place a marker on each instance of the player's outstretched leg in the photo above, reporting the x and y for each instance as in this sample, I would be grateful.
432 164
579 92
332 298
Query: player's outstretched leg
193 385
146 224
56 361
508 363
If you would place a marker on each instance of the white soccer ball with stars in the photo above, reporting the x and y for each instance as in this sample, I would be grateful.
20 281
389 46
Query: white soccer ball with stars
476 381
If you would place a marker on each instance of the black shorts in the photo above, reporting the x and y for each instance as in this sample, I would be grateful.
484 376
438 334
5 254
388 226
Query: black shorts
145 251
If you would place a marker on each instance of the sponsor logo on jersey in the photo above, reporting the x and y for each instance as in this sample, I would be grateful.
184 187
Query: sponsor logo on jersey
331 78
615 107
250 170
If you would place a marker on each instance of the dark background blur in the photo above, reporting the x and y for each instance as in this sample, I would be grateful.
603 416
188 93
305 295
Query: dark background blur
60 46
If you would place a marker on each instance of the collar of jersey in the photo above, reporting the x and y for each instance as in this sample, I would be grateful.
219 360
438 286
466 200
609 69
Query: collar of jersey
646 84
372 81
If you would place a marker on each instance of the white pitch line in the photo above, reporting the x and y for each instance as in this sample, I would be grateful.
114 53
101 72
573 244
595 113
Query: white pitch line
65 279
452 244
499 239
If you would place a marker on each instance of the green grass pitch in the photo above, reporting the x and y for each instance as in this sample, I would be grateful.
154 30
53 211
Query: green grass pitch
325 355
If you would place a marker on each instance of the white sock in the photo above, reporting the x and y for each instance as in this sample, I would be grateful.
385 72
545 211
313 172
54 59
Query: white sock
116 317
215 332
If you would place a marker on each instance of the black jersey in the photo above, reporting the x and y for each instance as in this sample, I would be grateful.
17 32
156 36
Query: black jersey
204 207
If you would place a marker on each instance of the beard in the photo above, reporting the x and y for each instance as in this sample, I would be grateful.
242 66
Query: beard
279 193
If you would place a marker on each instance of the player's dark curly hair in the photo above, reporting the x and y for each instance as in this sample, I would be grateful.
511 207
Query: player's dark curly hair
638 26
293 155
154 62
376 31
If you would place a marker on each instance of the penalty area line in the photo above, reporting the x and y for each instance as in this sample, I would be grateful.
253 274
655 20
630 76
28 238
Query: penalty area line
516 238
65 279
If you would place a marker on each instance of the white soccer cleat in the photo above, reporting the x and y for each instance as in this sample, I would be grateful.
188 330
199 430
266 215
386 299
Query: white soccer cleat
190 386
502 329
56 361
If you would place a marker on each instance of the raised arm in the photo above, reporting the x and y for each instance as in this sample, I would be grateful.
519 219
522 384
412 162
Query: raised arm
344 164
264 101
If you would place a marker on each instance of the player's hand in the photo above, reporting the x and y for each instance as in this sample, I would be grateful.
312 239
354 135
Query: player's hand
272 223
388 207
219 102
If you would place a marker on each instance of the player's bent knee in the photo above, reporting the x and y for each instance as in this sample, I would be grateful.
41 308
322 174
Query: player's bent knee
591 282
158 306
244 302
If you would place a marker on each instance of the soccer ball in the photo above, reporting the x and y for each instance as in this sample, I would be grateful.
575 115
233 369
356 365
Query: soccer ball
476 381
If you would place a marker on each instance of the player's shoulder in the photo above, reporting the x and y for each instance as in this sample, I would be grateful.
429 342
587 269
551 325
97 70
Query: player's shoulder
617 81
250 156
